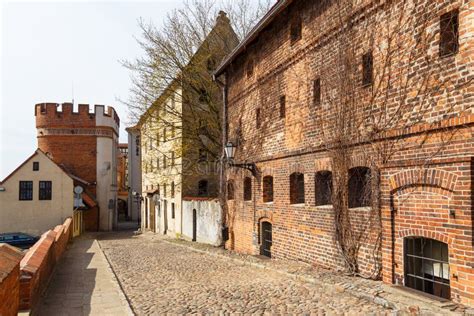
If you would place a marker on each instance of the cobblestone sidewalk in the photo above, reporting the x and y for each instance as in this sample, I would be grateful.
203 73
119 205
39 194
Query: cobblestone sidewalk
160 277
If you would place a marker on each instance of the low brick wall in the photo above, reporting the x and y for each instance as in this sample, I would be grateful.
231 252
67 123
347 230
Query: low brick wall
38 263
10 258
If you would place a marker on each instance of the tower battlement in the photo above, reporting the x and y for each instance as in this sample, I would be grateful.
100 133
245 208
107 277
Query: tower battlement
51 115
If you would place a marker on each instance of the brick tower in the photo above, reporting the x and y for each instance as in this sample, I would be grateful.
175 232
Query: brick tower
85 144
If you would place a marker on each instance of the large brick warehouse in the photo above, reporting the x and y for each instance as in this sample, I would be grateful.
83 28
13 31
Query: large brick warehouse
375 97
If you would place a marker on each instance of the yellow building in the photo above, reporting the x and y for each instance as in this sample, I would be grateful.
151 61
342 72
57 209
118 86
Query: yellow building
36 196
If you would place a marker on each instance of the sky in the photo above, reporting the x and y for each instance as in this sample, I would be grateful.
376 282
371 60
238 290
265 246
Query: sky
50 49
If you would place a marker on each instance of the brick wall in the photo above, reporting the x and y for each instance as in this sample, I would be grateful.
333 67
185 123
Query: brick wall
440 142
39 261
10 258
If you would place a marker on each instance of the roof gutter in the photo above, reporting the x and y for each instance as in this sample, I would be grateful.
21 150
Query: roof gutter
264 22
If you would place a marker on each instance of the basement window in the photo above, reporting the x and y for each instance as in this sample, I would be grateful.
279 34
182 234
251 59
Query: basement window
296 188
267 189
247 189
449 33
367 69
323 188
359 187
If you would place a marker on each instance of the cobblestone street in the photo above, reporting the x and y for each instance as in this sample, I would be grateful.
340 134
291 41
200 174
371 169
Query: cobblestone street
160 277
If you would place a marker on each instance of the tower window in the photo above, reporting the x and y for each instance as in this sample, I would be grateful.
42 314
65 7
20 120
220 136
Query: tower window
449 33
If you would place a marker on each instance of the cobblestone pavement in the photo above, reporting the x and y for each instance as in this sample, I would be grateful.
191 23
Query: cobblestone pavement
160 277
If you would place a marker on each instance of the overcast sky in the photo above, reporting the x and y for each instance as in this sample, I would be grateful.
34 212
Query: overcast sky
47 47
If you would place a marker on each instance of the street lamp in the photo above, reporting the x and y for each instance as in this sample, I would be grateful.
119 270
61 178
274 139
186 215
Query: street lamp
230 153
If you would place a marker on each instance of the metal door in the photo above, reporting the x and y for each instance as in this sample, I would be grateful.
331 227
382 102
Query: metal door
266 239
427 266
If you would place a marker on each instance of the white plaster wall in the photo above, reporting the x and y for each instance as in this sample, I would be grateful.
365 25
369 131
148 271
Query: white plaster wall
209 218
106 181
35 217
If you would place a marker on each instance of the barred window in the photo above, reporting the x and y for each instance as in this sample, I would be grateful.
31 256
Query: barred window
323 187
359 187
449 33
247 189
26 191
267 189
296 188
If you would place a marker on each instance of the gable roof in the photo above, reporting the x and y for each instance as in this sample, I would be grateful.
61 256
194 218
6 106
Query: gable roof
253 35
37 152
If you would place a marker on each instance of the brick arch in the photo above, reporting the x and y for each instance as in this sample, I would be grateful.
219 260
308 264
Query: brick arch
295 167
264 216
419 232
359 161
437 178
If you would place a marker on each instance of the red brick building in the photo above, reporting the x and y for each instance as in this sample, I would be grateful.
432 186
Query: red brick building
391 81
85 144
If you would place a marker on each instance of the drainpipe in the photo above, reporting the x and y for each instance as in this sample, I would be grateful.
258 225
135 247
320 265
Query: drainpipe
223 86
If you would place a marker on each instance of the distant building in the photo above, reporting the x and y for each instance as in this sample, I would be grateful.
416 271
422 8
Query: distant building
85 144
122 183
134 173
36 196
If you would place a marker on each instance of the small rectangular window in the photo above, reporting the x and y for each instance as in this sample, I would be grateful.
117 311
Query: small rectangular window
26 191
36 166
296 30
449 33
367 69
282 106
172 211
317 91
258 118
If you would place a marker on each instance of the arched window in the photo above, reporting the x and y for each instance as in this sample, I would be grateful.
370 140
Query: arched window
359 187
323 187
296 188
203 188
247 189
230 190
268 189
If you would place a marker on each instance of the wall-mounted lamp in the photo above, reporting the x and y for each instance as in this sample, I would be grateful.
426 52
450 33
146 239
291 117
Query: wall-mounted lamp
230 153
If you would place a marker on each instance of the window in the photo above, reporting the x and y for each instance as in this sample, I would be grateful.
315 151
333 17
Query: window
137 143
367 69
157 139
172 210
267 189
317 91
359 187
165 187
164 134
282 106
323 187
247 189
230 190
296 30
250 68
449 33
202 155
26 190
258 118
173 159
172 189
296 188
173 130
158 163
36 165
203 188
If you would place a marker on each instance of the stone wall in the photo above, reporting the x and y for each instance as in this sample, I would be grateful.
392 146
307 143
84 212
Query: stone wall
10 258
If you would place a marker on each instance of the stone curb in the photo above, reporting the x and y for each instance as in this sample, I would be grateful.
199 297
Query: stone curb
371 298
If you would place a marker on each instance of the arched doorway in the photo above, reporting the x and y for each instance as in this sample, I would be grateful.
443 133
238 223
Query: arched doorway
266 239
426 263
